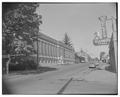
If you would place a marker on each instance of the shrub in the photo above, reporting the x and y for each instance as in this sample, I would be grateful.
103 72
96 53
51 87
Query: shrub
22 63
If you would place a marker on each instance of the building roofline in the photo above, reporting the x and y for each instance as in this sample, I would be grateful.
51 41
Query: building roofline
48 38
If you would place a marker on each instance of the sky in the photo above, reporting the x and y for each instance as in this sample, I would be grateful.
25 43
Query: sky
79 21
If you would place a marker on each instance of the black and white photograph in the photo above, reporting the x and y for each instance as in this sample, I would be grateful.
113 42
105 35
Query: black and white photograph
59 48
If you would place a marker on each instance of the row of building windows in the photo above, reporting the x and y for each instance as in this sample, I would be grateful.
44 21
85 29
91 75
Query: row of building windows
46 49
69 54
52 50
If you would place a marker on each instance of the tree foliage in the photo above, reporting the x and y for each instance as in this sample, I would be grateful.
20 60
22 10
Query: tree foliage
20 26
67 40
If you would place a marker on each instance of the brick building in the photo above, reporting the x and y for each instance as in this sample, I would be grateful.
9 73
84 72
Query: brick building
53 51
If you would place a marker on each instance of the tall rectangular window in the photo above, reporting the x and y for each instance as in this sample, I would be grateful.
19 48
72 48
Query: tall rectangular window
41 48
51 50
47 49
55 51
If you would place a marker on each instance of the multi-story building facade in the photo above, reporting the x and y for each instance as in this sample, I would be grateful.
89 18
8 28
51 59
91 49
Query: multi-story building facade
84 57
53 51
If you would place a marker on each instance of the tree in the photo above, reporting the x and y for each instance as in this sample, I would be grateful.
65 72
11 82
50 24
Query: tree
20 28
67 40
101 55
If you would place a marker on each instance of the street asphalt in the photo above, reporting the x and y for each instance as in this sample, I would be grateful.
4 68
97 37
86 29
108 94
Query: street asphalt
56 82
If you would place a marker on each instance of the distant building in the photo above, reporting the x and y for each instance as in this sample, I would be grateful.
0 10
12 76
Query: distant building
82 56
53 51
79 59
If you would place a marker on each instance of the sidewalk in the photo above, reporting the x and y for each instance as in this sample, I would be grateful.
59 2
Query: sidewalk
102 76
103 65
94 82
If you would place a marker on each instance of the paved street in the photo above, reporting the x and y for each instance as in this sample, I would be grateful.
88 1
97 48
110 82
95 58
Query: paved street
52 82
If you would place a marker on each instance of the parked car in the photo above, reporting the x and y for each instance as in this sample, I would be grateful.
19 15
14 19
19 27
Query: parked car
92 66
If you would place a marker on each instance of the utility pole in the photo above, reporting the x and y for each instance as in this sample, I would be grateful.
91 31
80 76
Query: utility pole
7 64
38 29
37 49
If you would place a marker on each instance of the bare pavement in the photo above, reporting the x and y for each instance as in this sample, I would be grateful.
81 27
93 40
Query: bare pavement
67 79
